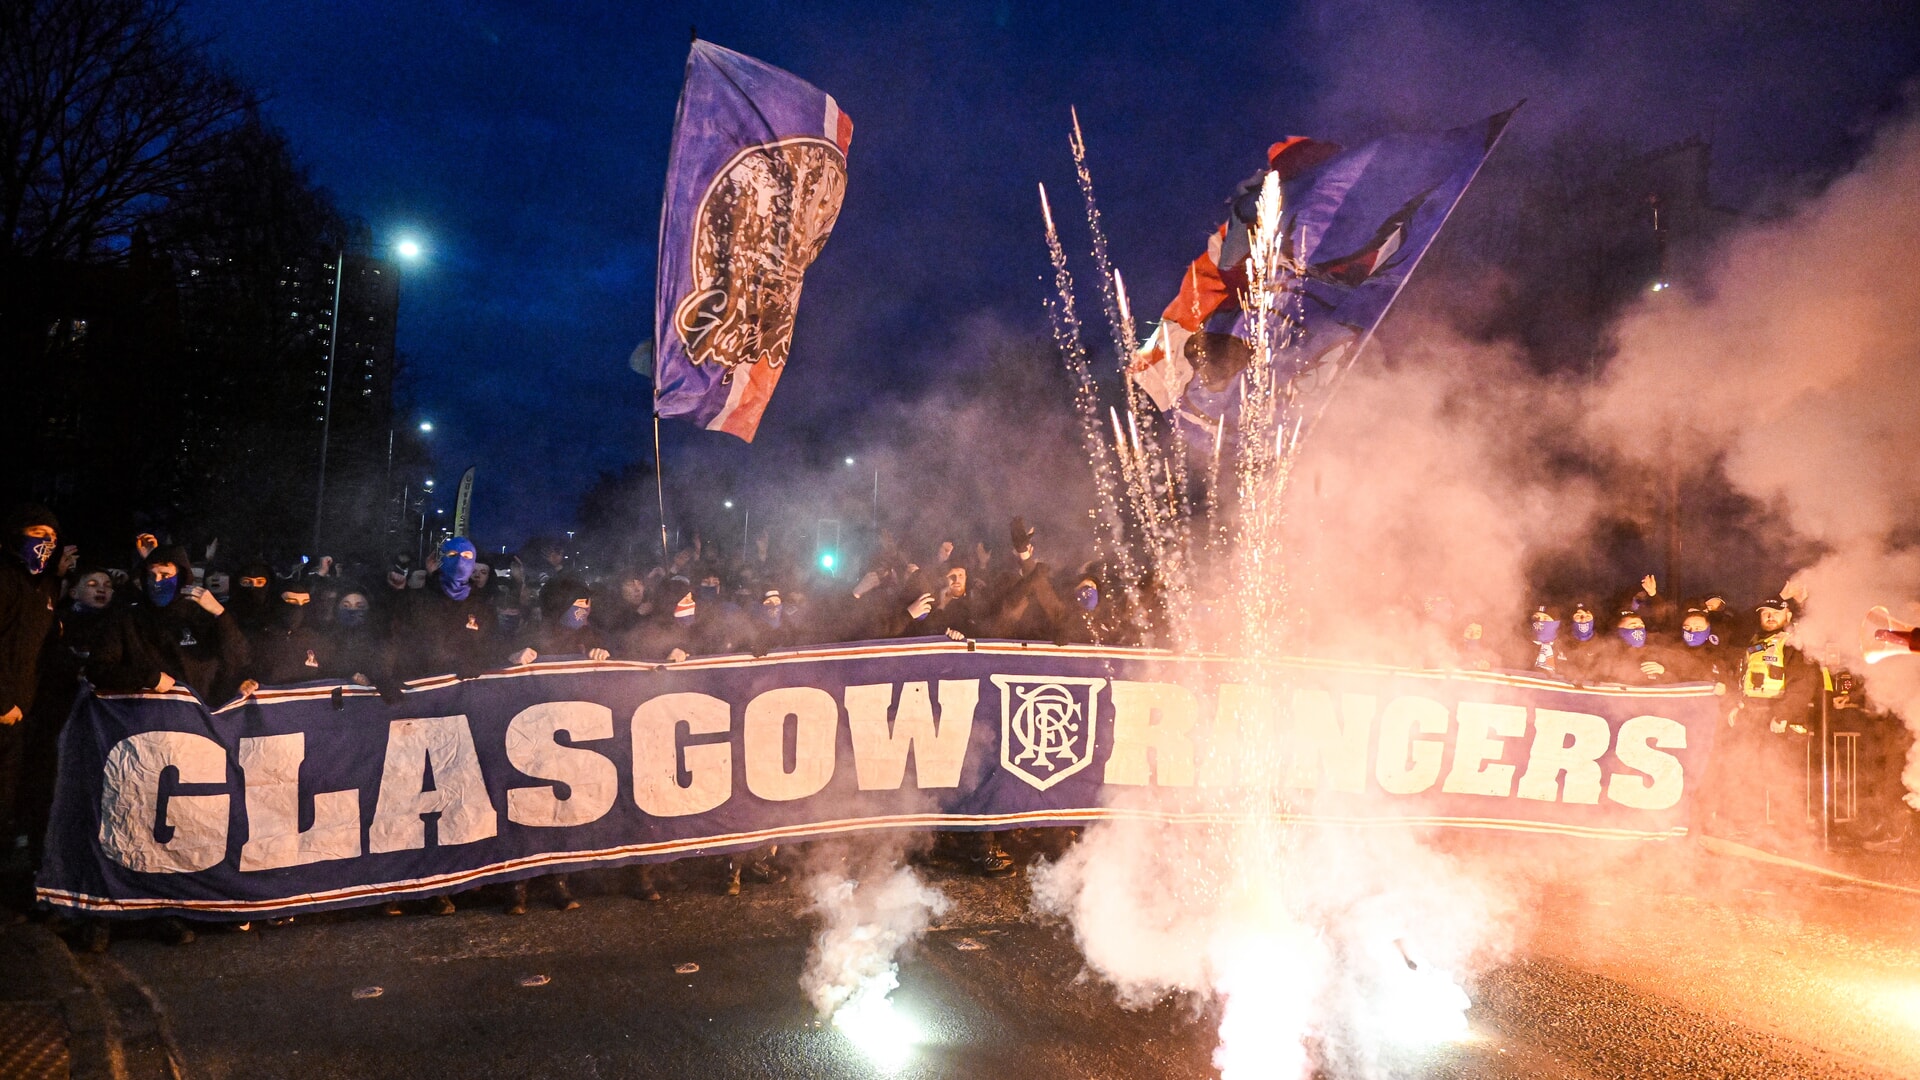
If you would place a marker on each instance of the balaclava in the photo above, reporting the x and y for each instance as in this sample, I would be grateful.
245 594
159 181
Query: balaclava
33 551
162 593
456 567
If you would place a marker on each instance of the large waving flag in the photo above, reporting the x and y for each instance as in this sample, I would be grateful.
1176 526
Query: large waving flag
1355 222
754 183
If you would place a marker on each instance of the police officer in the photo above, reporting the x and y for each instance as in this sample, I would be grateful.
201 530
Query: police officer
1779 691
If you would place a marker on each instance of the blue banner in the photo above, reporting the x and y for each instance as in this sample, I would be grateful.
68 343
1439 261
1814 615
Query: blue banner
320 796
754 184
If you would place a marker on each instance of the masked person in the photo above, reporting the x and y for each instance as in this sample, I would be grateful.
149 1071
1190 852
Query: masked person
444 627
253 599
292 649
566 627
1545 655
1027 607
356 649
29 585
84 612
631 605
1698 659
177 634
1625 659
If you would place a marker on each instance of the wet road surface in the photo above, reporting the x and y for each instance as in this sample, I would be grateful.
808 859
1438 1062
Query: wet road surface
1774 978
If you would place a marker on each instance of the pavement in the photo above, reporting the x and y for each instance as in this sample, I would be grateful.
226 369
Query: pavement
1690 965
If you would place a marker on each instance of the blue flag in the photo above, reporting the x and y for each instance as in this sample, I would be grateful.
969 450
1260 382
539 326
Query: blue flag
1355 223
754 184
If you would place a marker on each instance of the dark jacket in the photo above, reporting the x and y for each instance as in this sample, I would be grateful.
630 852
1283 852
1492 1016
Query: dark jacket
204 652
26 623
434 634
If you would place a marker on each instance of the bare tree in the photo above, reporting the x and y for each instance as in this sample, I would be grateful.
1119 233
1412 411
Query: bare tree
107 112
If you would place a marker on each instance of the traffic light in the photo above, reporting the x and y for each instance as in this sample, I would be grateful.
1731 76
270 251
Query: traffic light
826 546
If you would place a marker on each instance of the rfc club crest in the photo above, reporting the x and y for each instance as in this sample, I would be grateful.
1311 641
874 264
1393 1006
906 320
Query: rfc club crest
762 222
1047 726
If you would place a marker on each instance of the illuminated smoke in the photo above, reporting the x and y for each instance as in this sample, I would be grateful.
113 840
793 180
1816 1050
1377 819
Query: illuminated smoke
869 910
1796 364
1321 948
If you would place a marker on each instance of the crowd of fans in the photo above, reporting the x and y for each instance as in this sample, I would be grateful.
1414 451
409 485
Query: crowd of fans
158 619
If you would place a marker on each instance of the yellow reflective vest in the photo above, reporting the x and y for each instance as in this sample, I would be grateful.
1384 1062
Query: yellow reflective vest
1766 667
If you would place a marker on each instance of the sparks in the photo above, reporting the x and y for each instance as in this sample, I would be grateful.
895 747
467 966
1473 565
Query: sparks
882 1033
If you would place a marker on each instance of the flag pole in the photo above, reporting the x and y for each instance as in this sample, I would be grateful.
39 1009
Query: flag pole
659 479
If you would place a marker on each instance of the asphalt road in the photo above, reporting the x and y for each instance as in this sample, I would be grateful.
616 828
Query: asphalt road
1774 976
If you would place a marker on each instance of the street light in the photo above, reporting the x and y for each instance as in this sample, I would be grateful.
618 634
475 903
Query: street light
728 504
426 427
429 485
409 250
849 463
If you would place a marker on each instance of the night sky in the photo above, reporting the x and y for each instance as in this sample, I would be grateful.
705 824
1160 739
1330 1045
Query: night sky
526 144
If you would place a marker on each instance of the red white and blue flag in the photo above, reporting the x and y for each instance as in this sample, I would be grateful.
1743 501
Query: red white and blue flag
1354 223
754 184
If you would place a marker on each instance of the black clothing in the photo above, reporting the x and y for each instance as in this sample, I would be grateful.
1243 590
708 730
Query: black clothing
434 634
26 619
201 651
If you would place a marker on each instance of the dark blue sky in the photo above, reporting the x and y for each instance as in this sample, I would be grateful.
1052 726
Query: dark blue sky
526 143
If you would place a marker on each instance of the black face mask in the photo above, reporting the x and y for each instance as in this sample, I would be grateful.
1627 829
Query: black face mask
289 616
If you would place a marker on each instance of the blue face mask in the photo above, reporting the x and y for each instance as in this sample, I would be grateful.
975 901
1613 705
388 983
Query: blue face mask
36 552
162 591
1583 630
709 592
1088 596
1696 638
350 618
1635 637
509 621
1544 632
575 617
456 568
770 614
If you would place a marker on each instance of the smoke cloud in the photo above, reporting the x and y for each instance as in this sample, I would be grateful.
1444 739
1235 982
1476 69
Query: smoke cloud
871 908
1796 363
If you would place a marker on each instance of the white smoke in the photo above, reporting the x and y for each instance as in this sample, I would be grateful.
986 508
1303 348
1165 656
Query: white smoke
870 910
1798 361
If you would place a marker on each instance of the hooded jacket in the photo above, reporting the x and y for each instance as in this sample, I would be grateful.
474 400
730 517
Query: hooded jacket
26 613
206 653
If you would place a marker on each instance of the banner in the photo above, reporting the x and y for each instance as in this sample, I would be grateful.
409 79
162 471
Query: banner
322 796
754 183
463 505
1354 225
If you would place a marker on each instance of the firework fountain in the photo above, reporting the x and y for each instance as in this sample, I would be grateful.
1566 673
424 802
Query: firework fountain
1315 949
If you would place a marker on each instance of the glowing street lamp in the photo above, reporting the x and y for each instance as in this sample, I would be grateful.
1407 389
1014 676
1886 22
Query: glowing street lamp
426 427
408 248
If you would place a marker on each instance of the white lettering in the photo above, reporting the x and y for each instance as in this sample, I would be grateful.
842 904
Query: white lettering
937 741
1329 746
1664 783
443 744
657 755
592 782
816 718
1156 718
271 766
1474 748
1554 754
130 803
1406 765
